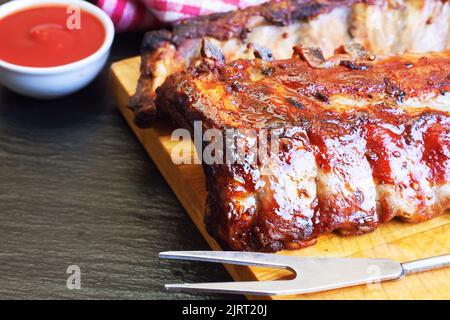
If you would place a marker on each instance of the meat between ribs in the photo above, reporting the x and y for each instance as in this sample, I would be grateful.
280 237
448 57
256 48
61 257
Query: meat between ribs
359 145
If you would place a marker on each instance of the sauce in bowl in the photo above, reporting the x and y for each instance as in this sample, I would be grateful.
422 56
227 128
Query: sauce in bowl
49 36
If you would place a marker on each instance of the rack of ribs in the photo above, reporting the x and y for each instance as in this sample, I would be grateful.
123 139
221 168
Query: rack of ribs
360 142
382 27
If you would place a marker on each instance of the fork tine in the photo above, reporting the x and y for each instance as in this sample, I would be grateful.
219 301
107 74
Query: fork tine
261 288
232 257
312 273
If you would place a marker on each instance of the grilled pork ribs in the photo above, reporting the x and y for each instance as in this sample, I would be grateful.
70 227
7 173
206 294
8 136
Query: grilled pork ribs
363 124
383 27
360 144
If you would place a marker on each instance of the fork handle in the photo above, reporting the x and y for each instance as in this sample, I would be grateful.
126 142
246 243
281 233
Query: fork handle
426 264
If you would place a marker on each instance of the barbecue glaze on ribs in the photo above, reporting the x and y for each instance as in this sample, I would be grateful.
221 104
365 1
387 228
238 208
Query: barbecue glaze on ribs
383 27
360 144
364 122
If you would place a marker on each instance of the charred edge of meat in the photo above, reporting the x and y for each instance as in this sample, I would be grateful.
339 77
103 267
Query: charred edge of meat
235 24
153 40
142 103
144 116
313 56
354 66
262 53
355 50
211 53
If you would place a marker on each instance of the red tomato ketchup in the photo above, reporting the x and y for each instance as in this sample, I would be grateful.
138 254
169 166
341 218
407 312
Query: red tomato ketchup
49 36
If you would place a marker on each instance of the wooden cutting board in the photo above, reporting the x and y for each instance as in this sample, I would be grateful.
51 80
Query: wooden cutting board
395 240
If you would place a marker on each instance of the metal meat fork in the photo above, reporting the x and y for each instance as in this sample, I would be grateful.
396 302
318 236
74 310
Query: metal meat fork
312 274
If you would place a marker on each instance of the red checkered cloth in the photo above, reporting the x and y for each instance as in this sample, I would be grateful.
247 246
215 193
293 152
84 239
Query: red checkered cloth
139 14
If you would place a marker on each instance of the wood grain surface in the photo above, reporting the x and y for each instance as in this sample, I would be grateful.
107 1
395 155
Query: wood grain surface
396 240
77 188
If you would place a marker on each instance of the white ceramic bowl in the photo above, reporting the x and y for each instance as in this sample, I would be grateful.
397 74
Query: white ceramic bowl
52 82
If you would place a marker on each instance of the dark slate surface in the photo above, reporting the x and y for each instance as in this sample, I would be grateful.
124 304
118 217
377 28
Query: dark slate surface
76 188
